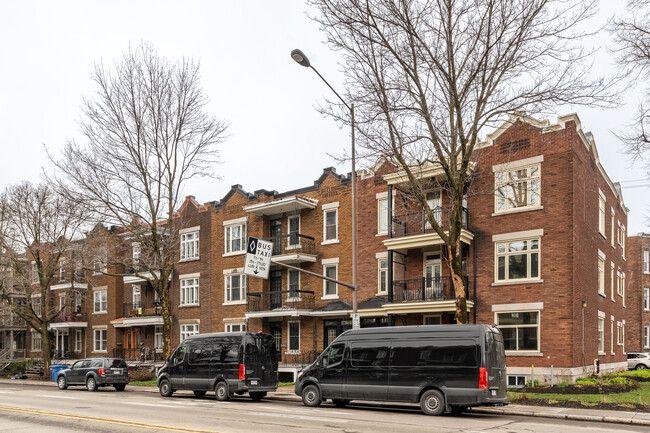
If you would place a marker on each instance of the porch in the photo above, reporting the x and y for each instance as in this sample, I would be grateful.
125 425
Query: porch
279 303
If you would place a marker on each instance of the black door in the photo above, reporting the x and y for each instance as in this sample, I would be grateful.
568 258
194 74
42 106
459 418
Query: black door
367 375
177 365
275 284
276 233
331 372
275 329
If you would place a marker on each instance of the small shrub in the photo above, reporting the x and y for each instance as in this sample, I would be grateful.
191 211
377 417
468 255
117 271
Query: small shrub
618 381
142 375
563 384
529 383
15 367
587 381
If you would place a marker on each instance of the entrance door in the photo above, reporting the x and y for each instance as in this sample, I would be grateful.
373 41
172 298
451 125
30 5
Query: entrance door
275 283
275 329
62 342
433 278
276 233
131 343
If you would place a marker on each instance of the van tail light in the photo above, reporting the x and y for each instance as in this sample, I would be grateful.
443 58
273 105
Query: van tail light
242 372
482 378
128 372
101 372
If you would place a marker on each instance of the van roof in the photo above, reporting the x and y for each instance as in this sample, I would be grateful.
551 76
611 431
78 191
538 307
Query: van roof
457 330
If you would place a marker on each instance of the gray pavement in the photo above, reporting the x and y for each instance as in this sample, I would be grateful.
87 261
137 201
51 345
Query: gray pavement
592 415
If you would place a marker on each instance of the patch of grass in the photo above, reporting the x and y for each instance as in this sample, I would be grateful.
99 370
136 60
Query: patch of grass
286 384
633 373
563 384
151 382
588 381
640 395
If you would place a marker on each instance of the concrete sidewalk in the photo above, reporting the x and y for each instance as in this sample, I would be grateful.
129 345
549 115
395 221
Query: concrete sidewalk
286 393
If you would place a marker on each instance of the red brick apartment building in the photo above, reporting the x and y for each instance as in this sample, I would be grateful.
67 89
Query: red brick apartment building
638 265
543 247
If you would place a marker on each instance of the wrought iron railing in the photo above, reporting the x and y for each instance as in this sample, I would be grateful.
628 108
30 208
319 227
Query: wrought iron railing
143 353
142 309
66 316
11 320
298 359
293 243
284 299
426 289
413 223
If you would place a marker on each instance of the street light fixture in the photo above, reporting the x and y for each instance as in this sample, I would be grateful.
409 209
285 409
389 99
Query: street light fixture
300 58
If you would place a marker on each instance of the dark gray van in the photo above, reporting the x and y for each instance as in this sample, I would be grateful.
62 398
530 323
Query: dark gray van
226 362
443 367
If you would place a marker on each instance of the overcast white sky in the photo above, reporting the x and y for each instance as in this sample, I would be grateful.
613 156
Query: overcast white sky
278 141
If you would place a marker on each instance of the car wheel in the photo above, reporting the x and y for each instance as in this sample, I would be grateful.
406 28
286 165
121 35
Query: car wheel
63 384
340 402
165 388
120 386
199 394
257 396
640 367
221 392
311 396
432 402
458 410
91 384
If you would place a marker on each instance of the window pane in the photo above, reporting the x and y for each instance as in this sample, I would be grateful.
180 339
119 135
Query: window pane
534 265
527 338
517 267
502 268
509 338
518 246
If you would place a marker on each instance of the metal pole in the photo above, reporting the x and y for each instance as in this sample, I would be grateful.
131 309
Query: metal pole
354 219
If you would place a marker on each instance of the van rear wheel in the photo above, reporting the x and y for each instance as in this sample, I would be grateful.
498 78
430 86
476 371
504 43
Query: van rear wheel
432 402
221 391
340 402
311 396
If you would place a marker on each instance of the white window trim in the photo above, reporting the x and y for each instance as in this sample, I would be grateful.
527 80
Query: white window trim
189 230
646 261
646 336
529 252
613 230
329 207
193 288
297 245
40 339
539 330
193 324
229 325
611 332
328 263
78 333
229 273
379 270
518 235
96 290
646 299
195 241
95 329
297 297
517 165
602 216
601 276
601 333
612 281
289 351
232 223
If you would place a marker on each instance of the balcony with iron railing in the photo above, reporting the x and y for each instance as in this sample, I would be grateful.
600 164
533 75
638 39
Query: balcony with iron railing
278 301
427 289
415 223
11 320
293 247
143 309
71 316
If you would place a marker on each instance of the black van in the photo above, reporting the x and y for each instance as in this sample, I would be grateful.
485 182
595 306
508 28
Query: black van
443 367
226 362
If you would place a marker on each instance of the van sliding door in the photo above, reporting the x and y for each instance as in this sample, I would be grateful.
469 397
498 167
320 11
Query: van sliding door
367 376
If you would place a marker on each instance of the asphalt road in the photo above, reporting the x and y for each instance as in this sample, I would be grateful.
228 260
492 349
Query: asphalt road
41 408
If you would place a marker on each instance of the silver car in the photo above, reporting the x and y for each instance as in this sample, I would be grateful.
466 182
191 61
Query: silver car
638 360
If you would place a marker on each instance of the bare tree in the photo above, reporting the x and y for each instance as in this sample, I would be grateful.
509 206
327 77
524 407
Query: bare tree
146 134
632 38
428 76
37 229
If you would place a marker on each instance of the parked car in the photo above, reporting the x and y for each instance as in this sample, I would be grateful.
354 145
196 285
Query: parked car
95 372
638 360
227 362
443 367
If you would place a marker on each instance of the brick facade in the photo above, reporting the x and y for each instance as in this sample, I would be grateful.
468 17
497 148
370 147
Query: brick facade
638 319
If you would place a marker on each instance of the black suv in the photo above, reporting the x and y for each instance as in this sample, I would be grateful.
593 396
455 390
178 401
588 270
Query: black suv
95 372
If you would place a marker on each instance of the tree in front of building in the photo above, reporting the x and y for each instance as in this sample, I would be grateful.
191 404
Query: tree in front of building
146 133
427 78
38 226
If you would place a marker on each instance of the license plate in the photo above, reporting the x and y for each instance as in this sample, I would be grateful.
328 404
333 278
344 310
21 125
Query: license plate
494 392
253 382
116 370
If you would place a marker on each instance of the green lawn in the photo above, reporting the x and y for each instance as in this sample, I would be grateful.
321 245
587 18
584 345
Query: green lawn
640 395
151 382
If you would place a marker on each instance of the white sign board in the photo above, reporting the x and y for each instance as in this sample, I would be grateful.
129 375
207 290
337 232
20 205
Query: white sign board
356 321
258 258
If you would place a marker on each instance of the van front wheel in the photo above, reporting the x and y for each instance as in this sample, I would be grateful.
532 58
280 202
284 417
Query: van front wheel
166 388
311 396
432 402
221 392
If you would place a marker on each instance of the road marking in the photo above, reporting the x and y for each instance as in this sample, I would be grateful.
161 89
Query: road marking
309 418
63 397
136 403
103 420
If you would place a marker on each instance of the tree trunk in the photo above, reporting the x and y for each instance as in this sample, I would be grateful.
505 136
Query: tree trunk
45 350
458 281
167 326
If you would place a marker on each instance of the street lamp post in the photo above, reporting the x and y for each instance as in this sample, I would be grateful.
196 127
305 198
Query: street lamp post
302 60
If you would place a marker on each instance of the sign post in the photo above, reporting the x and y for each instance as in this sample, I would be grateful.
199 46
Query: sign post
258 258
